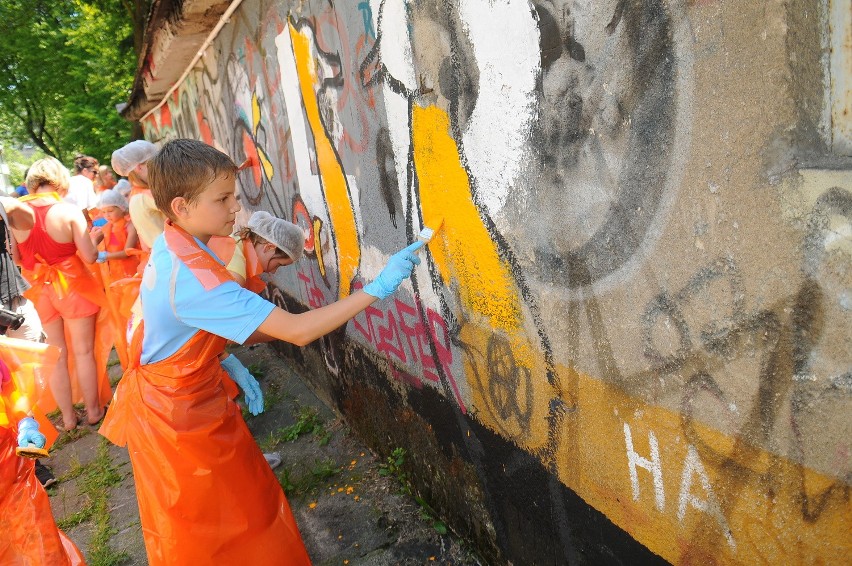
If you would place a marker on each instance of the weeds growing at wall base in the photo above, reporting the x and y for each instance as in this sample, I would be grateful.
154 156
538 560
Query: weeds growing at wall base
393 467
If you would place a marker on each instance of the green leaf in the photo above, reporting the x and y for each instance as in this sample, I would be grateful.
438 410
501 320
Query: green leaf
64 65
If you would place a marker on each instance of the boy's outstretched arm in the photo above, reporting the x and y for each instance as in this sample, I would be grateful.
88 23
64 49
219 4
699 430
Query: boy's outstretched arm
304 328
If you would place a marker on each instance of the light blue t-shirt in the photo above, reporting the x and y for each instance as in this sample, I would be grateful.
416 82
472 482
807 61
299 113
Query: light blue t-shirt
175 306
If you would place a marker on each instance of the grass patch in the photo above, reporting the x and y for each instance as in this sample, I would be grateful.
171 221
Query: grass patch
294 486
70 436
93 482
257 370
307 422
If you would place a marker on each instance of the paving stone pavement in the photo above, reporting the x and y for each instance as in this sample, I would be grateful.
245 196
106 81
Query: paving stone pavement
348 503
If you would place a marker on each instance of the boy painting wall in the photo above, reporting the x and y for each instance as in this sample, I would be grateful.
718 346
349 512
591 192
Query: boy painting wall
206 494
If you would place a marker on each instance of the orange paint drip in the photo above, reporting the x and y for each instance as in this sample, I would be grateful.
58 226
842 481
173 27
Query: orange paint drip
336 192
465 250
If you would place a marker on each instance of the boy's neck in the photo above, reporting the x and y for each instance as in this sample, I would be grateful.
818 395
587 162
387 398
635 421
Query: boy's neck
204 238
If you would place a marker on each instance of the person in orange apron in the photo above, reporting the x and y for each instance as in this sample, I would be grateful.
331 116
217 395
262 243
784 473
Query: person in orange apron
66 295
130 161
117 263
205 492
28 532
262 246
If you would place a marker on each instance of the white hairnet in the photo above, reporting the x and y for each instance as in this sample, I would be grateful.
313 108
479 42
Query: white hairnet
125 159
123 187
286 236
111 197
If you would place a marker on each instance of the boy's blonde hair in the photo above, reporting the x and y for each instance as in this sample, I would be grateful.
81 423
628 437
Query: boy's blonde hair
184 168
48 171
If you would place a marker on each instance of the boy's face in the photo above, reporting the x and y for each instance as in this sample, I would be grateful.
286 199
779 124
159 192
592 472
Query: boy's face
112 213
214 211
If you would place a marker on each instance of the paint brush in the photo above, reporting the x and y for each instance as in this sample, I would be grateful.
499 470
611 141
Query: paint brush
429 231
31 452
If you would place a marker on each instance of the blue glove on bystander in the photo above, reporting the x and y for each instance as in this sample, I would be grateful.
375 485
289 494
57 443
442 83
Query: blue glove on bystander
246 381
397 270
102 257
28 433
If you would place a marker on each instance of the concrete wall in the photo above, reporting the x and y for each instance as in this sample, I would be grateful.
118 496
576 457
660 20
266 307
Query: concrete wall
632 335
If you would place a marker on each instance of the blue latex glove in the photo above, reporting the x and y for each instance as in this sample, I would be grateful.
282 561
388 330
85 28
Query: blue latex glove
99 222
397 270
247 382
28 434
102 257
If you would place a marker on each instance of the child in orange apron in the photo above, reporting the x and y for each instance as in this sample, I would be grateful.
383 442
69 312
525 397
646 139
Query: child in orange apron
130 161
119 238
205 492
262 246
28 533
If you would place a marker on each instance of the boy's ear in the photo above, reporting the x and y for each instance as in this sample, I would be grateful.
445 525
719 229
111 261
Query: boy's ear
179 207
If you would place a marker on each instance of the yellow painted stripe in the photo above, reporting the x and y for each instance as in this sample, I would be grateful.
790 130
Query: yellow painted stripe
463 249
336 195
771 510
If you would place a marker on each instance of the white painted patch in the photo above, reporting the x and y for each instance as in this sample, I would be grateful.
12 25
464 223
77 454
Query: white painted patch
505 40
396 110
310 188
395 49
654 465
692 467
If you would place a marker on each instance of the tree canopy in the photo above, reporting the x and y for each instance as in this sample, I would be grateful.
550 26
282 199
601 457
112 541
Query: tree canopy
64 66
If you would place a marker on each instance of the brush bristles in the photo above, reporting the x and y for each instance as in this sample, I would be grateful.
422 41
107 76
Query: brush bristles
426 234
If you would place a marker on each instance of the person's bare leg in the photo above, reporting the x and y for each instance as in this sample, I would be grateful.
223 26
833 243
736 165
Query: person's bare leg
60 381
82 332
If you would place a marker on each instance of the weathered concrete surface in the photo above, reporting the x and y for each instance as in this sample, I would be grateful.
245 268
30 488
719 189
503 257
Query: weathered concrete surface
631 335
354 516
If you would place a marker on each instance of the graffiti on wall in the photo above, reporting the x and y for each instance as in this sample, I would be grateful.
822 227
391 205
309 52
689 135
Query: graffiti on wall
549 139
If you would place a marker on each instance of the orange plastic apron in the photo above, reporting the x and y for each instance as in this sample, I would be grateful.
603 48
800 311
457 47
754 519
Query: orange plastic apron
128 289
65 277
115 240
206 494
112 272
225 247
28 533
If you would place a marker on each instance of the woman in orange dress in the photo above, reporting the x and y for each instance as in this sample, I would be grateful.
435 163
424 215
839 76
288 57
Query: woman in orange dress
65 293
